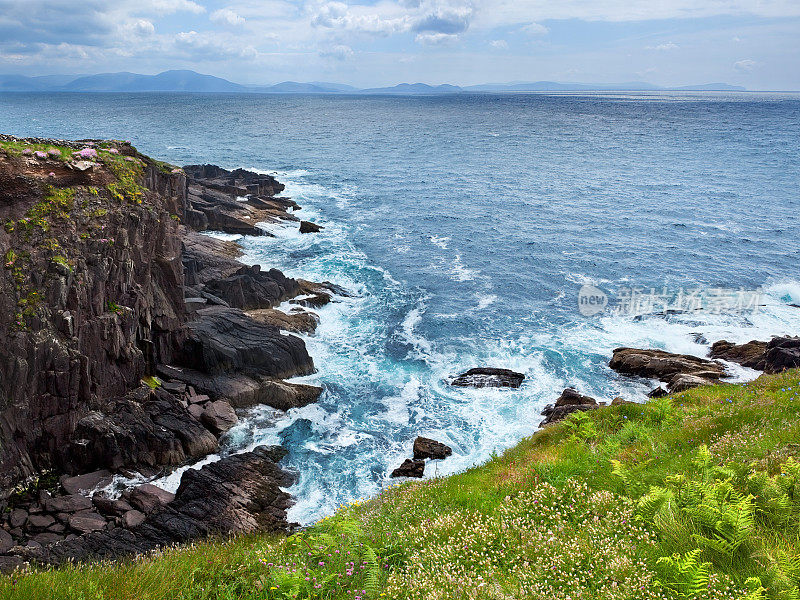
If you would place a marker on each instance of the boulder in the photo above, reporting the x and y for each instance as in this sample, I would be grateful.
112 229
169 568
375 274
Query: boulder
39 522
410 468
226 340
68 504
148 497
87 521
568 402
481 377
9 564
749 355
620 401
86 482
667 367
6 541
777 355
17 518
47 538
133 518
250 288
107 506
309 227
219 416
428 448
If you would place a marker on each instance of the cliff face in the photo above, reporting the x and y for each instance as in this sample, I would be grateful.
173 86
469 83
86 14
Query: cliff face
91 294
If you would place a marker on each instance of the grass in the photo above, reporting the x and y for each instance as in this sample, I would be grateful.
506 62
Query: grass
695 495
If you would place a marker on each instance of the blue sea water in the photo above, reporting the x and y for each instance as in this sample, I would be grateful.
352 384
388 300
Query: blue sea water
464 226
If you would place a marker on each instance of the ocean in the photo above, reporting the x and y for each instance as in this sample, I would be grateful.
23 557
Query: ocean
464 227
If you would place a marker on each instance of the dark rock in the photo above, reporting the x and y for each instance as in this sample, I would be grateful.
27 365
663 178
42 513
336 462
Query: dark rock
17 517
39 522
133 518
68 504
148 497
676 370
568 402
87 521
107 506
225 340
428 448
749 355
219 416
237 494
86 482
782 353
657 392
250 288
410 468
244 391
309 227
481 377
6 541
9 564
315 300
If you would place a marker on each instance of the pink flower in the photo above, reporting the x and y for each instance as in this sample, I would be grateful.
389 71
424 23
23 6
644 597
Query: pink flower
113 150
54 153
40 154
87 153
52 174
27 151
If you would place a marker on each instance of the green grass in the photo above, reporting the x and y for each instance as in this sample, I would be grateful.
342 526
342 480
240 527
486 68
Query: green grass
695 495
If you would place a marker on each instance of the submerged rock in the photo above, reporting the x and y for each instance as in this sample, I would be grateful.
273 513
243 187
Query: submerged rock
428 448
410 468
481 377
309 227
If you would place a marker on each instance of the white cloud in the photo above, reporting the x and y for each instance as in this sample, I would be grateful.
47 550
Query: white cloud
436 39
499 44
535 29
168 7
226 16
663 47
745 66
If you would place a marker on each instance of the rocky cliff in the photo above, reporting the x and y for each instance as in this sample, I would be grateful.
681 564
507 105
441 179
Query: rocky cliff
126 345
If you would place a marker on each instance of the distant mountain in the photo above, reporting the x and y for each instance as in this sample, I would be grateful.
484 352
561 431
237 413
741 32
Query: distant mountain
292 87
414 89
189 81
168 81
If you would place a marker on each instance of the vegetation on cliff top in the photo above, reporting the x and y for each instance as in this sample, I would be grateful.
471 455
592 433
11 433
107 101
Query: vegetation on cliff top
695 495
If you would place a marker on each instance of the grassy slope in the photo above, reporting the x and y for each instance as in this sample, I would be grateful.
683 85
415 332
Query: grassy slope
694 495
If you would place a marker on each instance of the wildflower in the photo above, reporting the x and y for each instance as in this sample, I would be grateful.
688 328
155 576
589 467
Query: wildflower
40 154
87 153
54 153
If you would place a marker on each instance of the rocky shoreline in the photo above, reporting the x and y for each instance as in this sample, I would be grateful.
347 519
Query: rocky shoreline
132 339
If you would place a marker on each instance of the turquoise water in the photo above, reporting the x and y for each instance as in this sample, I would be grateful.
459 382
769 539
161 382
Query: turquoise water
465 226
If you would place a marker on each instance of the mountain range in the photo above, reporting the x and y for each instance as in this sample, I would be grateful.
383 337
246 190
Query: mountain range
190 81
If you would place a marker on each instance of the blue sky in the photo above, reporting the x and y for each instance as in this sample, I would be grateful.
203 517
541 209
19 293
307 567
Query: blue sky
755 43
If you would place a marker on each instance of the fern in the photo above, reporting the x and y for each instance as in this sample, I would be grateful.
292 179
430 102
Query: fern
686 575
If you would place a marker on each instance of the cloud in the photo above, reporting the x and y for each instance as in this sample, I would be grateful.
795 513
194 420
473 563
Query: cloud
143 27
337 15
663 47
338 52
436 39
745 66
226 16
449 20
210 46
535 29
499 44
168 7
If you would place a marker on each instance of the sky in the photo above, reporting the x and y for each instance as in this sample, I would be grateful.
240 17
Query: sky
366 43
